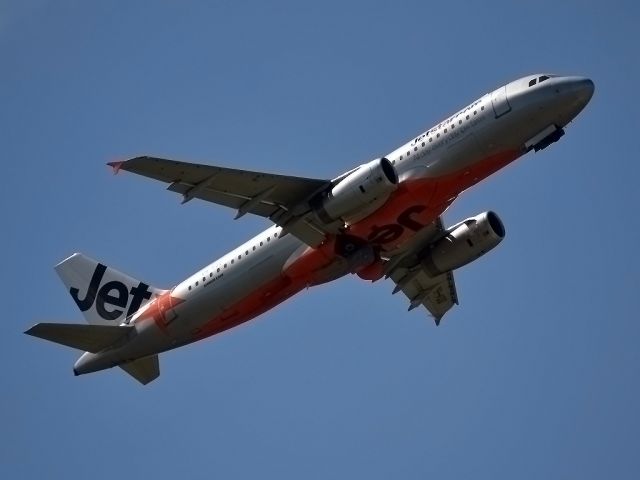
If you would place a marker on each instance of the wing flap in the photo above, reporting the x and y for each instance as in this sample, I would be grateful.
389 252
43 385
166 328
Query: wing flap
437 294
266 207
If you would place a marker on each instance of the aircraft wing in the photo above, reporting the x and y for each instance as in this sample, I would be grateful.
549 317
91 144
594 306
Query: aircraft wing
281 198
437 294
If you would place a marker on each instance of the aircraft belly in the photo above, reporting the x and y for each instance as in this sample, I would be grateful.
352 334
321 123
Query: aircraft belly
147 340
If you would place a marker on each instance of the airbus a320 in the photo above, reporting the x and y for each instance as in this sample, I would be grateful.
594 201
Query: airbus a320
379 220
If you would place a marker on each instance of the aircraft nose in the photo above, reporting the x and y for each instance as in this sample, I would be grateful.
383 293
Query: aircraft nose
581 88
585 88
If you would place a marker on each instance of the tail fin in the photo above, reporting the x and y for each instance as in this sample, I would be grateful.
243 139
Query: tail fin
104 295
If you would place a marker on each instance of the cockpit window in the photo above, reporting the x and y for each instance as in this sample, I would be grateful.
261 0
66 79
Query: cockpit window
533 82
543 78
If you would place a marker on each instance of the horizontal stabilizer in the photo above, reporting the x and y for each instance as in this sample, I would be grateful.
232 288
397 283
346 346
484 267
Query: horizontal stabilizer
89 338
144 370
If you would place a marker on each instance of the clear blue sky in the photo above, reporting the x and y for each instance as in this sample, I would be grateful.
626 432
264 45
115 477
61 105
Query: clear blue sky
536 373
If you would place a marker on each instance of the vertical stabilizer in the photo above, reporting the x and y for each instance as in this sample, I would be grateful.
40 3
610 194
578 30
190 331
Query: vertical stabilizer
104 295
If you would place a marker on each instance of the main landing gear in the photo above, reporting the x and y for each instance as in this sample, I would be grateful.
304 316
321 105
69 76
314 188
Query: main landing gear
356 252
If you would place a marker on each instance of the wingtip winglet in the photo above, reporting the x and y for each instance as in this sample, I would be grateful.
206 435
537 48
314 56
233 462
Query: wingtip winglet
116 166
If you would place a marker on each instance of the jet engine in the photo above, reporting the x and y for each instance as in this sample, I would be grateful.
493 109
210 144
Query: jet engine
464 243
370 183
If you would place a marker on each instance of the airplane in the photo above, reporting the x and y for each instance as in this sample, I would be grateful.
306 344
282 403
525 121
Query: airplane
382 219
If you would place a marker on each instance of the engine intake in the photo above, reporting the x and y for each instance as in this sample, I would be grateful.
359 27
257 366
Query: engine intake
367 184
464 243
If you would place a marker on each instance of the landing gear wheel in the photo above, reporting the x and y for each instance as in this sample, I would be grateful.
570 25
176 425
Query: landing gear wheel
346 245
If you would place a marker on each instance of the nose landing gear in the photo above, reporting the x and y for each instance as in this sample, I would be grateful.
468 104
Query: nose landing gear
546 137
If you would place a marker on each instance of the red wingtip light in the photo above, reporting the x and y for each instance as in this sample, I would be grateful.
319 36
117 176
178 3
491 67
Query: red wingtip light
116 166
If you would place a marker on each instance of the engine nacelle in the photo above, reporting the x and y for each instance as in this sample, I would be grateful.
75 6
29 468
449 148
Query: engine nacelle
464 243
369 183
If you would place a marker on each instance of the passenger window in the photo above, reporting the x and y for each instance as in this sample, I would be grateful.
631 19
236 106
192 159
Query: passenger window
467 117
430 139
189 287
260 243
438 135
197 284
482 107
247 252
232 260
415 149
445 130
532 82
423 144
239 257
459 122
400 157
225 265
218 269
254 248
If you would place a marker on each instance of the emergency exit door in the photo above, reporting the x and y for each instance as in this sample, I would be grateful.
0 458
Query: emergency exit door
500 102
